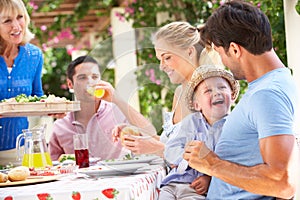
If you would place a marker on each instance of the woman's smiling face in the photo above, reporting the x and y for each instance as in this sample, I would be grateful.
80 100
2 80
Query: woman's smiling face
174 62
12 27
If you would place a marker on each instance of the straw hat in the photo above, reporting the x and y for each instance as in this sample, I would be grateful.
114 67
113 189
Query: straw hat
204 72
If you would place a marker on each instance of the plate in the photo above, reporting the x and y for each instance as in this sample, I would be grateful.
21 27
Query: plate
37 108
135 159
111 169
30 180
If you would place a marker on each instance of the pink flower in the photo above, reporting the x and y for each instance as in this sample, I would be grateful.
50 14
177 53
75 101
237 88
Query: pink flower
33 5
56 40
258 5
80 28
129 10
66 34
150 56
109 30
43 28
152 75
141 9
118 14
147 72
64 86
44 47
70 49
152 72
51 33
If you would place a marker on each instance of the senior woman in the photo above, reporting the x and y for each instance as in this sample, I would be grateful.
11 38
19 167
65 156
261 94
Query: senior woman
21 68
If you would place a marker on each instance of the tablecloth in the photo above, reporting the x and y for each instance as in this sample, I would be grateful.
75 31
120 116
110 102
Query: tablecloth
140 186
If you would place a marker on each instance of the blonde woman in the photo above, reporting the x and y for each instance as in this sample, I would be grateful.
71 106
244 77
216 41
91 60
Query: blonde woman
177 46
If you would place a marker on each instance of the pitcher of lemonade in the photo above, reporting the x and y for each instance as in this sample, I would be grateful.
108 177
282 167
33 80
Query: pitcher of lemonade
35 152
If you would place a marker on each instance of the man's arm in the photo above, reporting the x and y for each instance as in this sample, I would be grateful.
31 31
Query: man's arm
275 177
134 117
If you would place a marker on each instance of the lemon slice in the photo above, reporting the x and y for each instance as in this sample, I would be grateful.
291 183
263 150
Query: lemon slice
99 93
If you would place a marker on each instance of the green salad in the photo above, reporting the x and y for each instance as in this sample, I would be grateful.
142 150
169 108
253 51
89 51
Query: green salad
23 98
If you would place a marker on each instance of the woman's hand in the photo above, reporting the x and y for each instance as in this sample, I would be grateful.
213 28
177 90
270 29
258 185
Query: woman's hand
116 132
143 145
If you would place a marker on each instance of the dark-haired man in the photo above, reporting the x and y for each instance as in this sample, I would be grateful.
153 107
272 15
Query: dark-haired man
255 157
97 117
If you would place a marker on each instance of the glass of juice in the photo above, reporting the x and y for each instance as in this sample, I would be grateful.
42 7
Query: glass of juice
81 150
96 92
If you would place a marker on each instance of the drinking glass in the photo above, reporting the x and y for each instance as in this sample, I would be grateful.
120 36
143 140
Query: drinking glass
81 150
94 91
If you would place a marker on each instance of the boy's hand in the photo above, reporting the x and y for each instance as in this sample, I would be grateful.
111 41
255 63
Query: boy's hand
201 184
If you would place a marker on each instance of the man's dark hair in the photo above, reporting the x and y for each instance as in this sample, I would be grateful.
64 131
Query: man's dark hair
239 22
78 61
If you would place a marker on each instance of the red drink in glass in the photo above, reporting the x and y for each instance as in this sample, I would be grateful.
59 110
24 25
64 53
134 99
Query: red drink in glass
82 157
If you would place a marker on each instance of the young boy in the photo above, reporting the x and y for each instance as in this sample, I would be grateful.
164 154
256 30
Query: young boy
210 92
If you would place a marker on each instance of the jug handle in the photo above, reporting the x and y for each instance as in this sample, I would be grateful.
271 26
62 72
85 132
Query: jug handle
18 145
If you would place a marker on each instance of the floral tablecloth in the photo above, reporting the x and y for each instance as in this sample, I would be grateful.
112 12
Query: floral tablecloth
141 186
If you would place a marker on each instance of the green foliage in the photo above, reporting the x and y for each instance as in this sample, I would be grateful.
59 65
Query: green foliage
298 7
56 61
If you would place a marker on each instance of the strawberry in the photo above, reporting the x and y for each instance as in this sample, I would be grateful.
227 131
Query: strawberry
8 198
110 192
44 196
76 195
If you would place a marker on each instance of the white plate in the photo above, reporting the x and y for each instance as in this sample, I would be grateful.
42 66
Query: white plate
111 169
136 159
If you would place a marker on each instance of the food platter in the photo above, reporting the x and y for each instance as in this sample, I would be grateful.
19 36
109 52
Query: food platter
135 159
37 108
111 169
30 180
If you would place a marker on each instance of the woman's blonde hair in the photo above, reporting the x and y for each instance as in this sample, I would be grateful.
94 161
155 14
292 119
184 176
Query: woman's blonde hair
8 7
210 57
183 35
179 34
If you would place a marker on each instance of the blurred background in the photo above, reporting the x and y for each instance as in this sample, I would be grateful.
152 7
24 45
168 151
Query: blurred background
65 29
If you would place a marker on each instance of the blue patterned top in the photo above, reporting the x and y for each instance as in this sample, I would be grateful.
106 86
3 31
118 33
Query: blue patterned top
168 126
25 78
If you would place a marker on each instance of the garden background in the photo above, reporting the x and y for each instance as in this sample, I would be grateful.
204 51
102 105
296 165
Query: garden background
152 83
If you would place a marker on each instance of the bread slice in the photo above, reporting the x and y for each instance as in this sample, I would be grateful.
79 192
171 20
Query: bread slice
129 130
18 173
